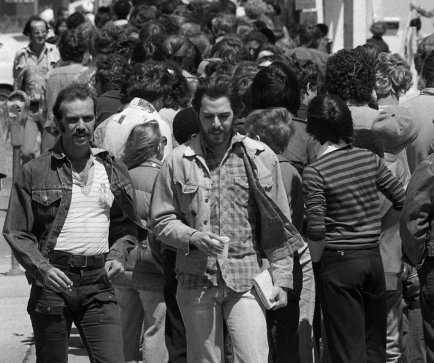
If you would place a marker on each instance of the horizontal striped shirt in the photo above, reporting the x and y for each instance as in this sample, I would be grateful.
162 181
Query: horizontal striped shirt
86 228
342 205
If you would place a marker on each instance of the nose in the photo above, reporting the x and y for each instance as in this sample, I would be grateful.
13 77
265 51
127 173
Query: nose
81 124
216 122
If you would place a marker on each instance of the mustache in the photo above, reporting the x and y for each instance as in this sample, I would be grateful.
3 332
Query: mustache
81 132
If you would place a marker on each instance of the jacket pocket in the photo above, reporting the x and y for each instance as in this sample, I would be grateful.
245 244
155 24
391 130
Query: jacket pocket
46 202
189 197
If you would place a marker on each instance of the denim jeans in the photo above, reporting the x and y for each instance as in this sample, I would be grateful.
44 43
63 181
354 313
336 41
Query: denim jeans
426 278
307 308
352 289
176 342
204 311
143 315
394 326
283 323
91 306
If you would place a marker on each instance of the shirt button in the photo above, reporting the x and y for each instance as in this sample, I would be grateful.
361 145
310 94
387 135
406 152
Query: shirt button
205 222
206 200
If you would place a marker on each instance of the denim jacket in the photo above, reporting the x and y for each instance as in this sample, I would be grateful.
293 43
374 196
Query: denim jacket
178 206
39 204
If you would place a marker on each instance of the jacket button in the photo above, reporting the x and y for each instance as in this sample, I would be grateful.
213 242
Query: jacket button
206 200
205 222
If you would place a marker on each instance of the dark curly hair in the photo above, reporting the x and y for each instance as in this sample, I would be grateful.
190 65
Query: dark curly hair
154 81
150 49
229 49
276 86
112 70
307 72
214 87
72 46
112 39
350 75
244 73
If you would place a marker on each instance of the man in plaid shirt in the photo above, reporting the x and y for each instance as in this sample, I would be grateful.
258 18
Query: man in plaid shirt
201 197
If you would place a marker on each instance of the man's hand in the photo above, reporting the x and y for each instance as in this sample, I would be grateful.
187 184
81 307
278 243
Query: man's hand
57 280
207 242
113 268
279 297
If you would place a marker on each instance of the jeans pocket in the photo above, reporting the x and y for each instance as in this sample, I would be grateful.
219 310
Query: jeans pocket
45 301
107 307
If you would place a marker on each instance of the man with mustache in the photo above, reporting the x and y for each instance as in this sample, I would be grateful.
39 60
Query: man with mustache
71 222
206 204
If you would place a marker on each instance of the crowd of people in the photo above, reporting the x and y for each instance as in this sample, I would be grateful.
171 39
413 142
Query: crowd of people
181 157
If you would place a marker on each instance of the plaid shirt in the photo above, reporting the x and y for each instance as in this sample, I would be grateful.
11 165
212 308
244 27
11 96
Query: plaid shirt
233 214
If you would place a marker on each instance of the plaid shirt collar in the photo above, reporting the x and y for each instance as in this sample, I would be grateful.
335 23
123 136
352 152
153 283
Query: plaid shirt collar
198 146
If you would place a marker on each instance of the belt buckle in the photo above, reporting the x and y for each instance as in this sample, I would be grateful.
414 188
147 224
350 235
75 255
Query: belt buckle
82 263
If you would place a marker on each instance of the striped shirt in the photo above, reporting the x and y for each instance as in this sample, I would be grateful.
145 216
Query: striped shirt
342 205
86 228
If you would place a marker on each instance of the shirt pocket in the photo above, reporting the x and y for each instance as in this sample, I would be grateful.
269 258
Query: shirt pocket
240 190
46 203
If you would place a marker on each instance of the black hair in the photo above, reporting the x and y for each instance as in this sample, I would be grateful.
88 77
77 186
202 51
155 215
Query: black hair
103 16
350 74
27 31
75 19
70 93
214 87
329 119
72 46
112 71
184 52
121 8
154 81
323 29
150 49
276 86
150 28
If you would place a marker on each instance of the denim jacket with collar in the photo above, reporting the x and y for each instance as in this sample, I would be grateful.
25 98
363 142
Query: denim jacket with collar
39 204
179 204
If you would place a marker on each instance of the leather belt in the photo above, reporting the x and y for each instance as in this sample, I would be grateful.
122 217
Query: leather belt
66 259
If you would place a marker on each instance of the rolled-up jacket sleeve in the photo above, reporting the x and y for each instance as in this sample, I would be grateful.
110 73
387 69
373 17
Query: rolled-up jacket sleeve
416 215
165 213
18 227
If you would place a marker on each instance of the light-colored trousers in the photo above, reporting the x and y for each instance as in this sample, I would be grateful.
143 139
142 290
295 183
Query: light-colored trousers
143 315
205 310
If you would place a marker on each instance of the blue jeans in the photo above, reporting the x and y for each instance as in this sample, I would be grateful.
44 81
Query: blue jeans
91 306
204 311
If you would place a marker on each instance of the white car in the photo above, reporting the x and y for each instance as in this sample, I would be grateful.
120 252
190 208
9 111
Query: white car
9 45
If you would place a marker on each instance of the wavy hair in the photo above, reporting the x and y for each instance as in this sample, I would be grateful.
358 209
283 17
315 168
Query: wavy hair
393 75
272 125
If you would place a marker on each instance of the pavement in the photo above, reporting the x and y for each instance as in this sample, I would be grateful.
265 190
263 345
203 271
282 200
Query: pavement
16 339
